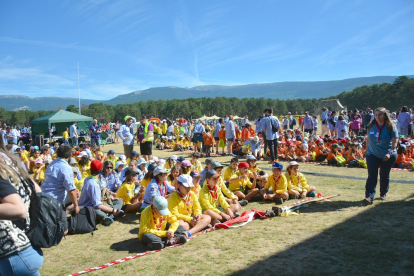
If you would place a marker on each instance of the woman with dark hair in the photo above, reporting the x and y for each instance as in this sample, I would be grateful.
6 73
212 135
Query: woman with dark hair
381 154
159 186
17 256
403 121
108 178
356 122
175 172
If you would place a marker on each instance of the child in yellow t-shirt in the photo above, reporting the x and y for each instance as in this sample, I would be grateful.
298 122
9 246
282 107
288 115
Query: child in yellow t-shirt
65 136
39 171
242 187
278 183
297 184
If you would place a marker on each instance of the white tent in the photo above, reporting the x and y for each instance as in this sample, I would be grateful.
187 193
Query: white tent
214 117
203 118
235 117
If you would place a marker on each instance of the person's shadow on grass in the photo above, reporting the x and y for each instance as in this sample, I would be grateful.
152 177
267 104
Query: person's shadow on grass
133 245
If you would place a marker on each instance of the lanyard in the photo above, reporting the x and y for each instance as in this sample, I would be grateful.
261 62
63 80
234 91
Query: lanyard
379 130
155 220
215 194
186 200
165 189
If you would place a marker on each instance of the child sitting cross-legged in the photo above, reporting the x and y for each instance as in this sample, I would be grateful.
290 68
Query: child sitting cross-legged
213 201
183 203
278 183
153 229
243 188
297 184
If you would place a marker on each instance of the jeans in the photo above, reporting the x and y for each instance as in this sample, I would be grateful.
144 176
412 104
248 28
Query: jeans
26 262
272 144
95 141
373 164
74 141
101 215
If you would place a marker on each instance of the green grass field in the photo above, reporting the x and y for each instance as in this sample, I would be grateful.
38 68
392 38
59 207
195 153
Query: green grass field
329 238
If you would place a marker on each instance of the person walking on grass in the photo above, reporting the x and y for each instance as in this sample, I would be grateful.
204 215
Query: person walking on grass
382 142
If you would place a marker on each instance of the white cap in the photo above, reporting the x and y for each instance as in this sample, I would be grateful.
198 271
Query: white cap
119 163
82 154
161 162
173 157
142 161
293 163
122 157
154 159
186 180
158 170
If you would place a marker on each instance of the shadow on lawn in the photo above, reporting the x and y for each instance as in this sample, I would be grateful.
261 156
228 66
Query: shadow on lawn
378 241
131 245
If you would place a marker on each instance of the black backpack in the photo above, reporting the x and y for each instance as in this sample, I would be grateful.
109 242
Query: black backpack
83 222
47 220
273 124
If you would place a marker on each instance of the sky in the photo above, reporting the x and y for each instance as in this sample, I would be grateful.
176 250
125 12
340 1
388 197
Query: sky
124 46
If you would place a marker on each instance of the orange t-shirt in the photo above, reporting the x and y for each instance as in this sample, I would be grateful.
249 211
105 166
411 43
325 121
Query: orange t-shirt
252 132
222 134
208 140
245 134
400 159
332 155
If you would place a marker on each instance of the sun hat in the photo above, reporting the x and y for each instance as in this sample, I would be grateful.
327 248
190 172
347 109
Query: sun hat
216 165
161 204
119 163
142 161
159 170
39 161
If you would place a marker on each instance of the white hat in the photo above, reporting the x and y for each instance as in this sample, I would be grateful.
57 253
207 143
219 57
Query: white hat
119 163
173 157
154 159
256 139
82 154
293 163
161 162
186 180
142 161
122 157
158 170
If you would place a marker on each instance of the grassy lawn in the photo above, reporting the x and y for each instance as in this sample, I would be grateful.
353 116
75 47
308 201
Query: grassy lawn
338 237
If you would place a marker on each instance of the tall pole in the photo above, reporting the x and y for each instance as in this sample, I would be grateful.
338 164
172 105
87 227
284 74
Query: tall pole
79 90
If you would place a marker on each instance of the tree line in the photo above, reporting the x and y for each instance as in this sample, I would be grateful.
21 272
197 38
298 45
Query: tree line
391 96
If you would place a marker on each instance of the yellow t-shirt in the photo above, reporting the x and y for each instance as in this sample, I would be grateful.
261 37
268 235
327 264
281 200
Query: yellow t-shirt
78 183
24 157
41 173
281 184
207 202
65 135
297 182
147 224
196 166
126 191
179 208
228 173
240 185
87 171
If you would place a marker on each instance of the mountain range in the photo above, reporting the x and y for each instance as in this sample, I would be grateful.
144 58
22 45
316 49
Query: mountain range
279 90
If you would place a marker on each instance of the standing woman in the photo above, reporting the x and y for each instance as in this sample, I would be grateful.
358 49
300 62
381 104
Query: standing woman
403 121
381 153
17 256
356 122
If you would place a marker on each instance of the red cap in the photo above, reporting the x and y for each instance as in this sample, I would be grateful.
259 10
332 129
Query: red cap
334 141
343 141
318 141
96 165
243 165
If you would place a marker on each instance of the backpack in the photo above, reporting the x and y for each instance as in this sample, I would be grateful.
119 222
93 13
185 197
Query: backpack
273 123
294 121
47 220
83 222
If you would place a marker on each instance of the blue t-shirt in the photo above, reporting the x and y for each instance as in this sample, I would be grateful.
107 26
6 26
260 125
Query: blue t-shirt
381 148
91 193
403 118
153 190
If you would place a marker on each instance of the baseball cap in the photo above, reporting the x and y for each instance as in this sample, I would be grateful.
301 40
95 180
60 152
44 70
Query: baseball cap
159 170
216 165
130 171
194 174
154 159
161 204
250 157
196 154
142 161
161 162
151 167
119 163
72 161
180 159
209 161
212 173
277 165
186 164
82 154
40 160
335 145
256 139
134 154
243 165
111 152
123 158
186 180
96 165
293 163
173 157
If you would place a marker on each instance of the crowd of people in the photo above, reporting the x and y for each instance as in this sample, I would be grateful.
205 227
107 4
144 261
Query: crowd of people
178 196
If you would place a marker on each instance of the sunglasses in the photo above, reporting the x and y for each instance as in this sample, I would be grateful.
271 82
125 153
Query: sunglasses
109 167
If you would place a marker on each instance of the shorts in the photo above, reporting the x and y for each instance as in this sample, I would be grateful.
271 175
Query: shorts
146 148
198 137
220 208
216 138
230 140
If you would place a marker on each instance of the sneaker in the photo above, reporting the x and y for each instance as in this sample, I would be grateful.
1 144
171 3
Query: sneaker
236 215
383 197
178 239
243 202
155 246
368 201
293 196
311 194
107 221
278 201
188 234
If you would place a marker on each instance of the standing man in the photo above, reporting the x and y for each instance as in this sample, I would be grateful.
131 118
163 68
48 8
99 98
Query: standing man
95 132
308 123
291 120
145 135
73 134
271 127
126 133
244 120
324 118
216 133
230 135
58 182
198 135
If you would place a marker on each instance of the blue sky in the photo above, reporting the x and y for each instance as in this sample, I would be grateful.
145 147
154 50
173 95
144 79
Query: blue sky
123 46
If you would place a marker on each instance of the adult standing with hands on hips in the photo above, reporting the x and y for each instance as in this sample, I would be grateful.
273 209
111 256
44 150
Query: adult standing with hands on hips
381 153
126 133
145 136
